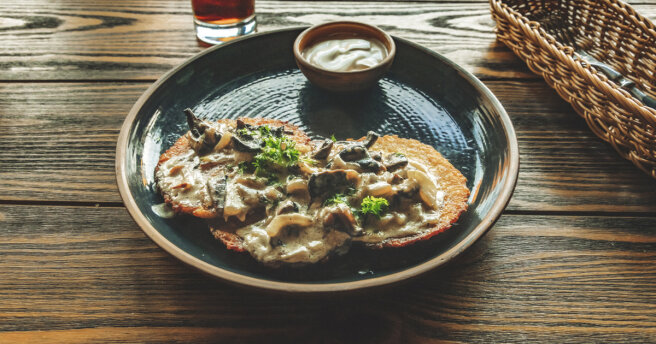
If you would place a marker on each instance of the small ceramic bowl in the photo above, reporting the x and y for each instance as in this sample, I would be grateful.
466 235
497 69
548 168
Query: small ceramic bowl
343 82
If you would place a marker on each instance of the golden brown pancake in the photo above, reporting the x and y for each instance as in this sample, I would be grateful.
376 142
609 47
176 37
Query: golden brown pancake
451 181
181 146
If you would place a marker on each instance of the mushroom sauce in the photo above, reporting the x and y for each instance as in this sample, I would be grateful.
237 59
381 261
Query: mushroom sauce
298 203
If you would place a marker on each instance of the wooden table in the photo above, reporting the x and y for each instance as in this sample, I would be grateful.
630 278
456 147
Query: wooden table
572 259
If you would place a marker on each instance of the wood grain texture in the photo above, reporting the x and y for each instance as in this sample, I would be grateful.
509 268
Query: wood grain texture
142 39
59 143
82 274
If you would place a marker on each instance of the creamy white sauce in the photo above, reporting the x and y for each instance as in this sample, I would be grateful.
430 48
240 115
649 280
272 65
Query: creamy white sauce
274 238
308 244
163 210
183 181
346 55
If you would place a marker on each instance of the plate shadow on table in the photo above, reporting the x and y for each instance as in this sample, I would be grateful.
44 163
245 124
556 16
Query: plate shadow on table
381 315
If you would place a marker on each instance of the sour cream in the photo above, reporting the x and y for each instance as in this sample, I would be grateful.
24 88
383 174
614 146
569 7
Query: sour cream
346 55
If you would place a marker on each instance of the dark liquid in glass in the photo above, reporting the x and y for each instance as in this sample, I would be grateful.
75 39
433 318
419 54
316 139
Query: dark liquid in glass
222 12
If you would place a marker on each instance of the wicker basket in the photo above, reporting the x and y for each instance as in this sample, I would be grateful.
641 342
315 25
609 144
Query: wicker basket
622 39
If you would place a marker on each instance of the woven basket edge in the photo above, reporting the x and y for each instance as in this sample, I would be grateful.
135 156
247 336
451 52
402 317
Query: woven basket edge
502 10
616 93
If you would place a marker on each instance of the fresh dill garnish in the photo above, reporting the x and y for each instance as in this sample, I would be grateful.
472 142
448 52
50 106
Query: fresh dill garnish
332 138
373 205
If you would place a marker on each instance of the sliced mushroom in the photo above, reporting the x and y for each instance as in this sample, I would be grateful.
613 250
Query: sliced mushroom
371 138
249 196
241 124
370 165
427 188
396 161
281 221
324 150
247 144
272 193
378 156
202 136
329 182
421 167
196 125
380 189
250 181
340 217
223 142
217 187
297 185
354 152
357 154
288 206
234 204
305 168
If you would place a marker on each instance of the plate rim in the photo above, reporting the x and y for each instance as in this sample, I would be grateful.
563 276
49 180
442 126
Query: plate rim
485 225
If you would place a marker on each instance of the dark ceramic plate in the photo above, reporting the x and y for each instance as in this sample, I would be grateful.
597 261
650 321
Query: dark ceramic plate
424 96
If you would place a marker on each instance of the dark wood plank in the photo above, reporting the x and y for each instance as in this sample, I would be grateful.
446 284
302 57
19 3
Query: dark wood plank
563 165
58 143
77 39
81 274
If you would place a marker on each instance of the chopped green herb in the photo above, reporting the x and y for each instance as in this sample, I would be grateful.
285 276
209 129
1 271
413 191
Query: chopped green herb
245 167
277 153
336 199
373 205
309 161
244 132
332 138
272 180
264 130
260 131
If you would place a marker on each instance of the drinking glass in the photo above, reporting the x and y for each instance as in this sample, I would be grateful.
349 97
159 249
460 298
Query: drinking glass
217 21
